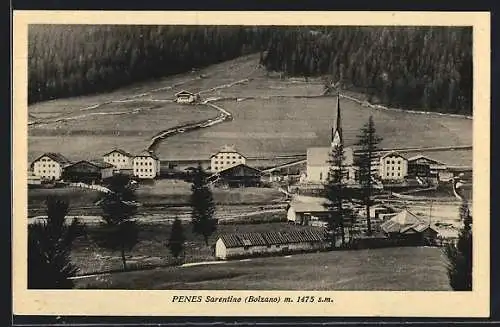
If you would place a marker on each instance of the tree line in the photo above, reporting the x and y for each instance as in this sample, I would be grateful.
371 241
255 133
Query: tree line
426 68
70 60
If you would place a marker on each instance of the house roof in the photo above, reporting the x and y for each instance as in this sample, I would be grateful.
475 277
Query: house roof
272 238
393 153
146 153
309 204
123 152
421 156
96 163
227 149
57 157
322 156
183 92
401 221
239 165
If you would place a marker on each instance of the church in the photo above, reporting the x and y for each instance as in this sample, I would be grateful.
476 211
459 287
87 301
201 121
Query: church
318 158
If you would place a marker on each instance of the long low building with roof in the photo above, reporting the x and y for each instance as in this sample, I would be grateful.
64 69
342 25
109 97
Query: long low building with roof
239 245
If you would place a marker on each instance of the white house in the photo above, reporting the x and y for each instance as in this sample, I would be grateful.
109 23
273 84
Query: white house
49 166
393 166
225 158
119 158
146 165
185 97
229 246
318 164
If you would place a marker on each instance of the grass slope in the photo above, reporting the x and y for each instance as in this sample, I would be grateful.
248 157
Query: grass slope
390 269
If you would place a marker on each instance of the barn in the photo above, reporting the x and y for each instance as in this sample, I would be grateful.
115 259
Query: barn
185 97
88 171
408 227
307 210
240 175
240 245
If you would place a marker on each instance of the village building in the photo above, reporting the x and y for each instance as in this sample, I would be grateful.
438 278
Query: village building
146 165
237 176
319 158
393 166
49 166
308 210
231 246
409 227
427 168
88 171
186 97
225 158
120 159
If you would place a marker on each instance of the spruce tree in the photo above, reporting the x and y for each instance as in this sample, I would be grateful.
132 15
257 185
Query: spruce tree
177 239
203 207
49 248
368 141
119 230
459 255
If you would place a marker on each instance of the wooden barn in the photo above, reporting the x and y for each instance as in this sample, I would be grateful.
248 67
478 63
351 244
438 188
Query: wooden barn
307 210
239 176
231 246
407 227
88 171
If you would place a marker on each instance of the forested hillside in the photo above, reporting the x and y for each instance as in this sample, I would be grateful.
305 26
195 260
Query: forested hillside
415 67
68 60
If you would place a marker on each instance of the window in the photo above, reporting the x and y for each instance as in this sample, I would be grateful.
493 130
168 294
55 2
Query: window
234 162
392 174
399 174
387 174
393 162
388 162
227 162
216 162
239 157
150 170
320 176
399 168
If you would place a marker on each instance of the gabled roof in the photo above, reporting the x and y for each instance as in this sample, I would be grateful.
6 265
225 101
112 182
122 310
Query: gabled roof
393 153
227 149
322 156
146 154
96 163
421 156
272 238
240 165
182 92
123 152
57 157
309 204
402 220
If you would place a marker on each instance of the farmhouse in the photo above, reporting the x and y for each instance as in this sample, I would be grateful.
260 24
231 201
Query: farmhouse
305 210
230 246
146 165
186 97
121 159
239 176
226 157
49 166
407 226
393 166
425 167
89 172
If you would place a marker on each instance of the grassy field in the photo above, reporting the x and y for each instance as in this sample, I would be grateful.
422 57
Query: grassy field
390 269
291 125
261 127
162 192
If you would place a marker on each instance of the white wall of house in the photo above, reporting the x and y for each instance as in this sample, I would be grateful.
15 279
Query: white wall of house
319 174
47 168
393 167
118 160
220 249
146 167
107 172
224 160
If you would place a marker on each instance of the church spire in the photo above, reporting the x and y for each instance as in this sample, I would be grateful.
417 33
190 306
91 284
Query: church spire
337 131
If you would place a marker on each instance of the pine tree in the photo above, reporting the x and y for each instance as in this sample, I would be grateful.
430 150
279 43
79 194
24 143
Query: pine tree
334 189
203 206
177 239
49 248
460 255
368 141
119 231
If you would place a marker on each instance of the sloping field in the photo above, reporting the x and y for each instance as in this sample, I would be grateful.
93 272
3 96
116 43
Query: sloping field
391 269
291 125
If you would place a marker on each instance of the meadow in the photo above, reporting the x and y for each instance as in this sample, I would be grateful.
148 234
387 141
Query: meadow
262 125
390 269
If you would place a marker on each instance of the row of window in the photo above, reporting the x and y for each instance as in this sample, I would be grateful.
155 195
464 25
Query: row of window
48 172
143 163
220 156
144 170
392 174
222 162
49 165
117 160
393 162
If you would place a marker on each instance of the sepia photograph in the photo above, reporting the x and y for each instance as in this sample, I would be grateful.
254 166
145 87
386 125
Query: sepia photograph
251 157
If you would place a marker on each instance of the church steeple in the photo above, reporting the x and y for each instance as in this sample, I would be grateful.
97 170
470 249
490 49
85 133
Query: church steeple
337 131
